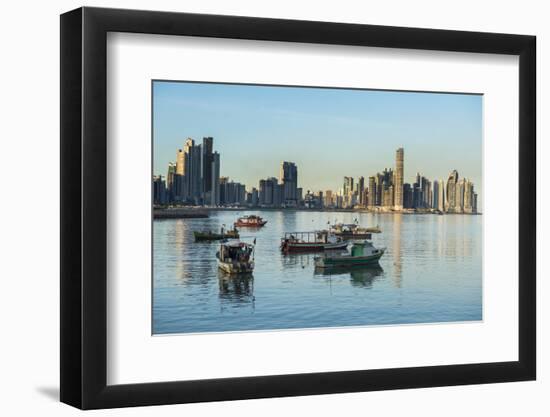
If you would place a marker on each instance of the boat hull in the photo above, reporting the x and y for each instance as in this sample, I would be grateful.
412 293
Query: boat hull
201 237
236 268
347 261
345 235
246 224
312 247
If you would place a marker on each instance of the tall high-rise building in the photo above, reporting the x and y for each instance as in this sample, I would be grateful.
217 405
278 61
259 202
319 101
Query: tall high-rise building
408 201
170 176
215 178
206 168
451 191
179 188
399 175
288 176
361 195
438 195
460 188
192 170
348 186
372 192
159 190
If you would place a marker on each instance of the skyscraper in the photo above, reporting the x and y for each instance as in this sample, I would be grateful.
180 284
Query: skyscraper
215 178
361 195
372 192
206 167
438 195
288 176
192 168
170 181
451 191
399 175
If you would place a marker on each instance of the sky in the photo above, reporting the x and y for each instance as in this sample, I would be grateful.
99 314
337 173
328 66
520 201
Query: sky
328 133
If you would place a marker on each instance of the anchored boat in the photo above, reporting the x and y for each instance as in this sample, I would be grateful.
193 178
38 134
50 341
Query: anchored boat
311 241
209 235
362 253
350 231
250 221
236 257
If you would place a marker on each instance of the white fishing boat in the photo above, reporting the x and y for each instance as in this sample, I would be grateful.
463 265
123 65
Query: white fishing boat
236 257
316 241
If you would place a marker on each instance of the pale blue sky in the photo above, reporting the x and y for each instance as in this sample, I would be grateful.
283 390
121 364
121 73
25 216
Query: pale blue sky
328 133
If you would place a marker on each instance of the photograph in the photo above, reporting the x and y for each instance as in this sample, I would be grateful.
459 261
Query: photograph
302 207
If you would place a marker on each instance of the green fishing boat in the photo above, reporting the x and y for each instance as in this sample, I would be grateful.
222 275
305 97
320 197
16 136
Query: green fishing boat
361 253
209 235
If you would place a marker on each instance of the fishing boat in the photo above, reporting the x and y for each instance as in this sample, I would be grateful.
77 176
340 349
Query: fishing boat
250 221
361 253
236 257
311 241
209 235
351 231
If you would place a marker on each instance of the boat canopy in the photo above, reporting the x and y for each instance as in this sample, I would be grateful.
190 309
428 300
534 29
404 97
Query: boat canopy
236 244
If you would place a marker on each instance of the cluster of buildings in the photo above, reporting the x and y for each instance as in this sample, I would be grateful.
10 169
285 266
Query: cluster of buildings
194 179
387 191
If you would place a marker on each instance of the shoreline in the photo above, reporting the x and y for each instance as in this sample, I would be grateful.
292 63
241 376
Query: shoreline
203 212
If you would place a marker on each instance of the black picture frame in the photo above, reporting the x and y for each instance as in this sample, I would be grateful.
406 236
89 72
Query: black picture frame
84 207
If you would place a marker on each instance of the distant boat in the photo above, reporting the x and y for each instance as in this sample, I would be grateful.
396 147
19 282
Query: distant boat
315 241
236 257
250 221
362 253
353 231
209 235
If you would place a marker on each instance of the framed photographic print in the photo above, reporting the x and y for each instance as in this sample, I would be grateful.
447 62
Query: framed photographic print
258 207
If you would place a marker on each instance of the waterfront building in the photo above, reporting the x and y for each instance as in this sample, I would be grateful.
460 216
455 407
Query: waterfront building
159 190
207 157
191 166
328 199
361 192
271 192
451 191
348 185
399 175
438 196
254 197
372 192
170 191
388 197
215 180
408 201
460 188
179 189
223 188
288 176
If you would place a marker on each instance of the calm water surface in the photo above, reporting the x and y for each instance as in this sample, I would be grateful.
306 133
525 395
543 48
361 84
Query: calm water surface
431 272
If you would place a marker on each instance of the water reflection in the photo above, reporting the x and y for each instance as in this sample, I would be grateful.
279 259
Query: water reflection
236 288
360 276
396 249
432 265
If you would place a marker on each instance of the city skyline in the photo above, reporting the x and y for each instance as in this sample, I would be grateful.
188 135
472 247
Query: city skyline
195 179
422 120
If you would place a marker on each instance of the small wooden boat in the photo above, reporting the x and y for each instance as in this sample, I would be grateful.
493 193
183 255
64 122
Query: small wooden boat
362 253
209 235
250 221
311 241
236 257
